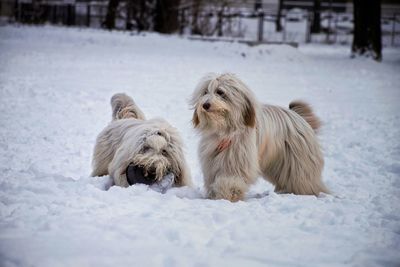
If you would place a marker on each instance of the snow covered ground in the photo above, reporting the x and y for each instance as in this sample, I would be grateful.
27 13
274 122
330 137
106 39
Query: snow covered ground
55 86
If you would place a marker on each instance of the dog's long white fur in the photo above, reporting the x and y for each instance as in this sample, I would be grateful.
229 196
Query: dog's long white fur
153 144
274 142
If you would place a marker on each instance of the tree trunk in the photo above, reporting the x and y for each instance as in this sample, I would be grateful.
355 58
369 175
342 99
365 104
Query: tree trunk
367 29
220 22
128 22
166 16
109 23
141 14
195 29
257 5
278 25
316 22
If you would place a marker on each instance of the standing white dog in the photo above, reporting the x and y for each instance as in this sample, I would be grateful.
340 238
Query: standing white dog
153 147
242 139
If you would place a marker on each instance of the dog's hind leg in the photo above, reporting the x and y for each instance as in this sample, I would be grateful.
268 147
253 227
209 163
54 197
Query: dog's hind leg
293 171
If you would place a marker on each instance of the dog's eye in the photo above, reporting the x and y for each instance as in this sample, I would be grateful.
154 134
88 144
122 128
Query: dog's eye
220 92
205 92
164 152
145 148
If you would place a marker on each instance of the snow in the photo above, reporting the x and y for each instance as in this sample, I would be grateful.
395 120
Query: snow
55 86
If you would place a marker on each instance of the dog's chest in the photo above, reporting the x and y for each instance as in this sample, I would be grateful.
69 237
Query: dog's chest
213 156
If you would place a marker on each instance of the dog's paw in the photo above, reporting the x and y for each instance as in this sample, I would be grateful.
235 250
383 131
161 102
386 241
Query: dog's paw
229 188
231 194
236 194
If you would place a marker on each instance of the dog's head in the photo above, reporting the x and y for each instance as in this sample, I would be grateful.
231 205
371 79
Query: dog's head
154 155
223 103
158 152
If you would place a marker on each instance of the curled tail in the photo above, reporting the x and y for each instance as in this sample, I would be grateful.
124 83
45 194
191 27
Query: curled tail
306 112
123 107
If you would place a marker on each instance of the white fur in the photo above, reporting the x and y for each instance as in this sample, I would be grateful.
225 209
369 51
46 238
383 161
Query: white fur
265 140
153 143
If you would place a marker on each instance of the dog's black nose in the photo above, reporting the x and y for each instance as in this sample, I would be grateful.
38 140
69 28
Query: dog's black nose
206 105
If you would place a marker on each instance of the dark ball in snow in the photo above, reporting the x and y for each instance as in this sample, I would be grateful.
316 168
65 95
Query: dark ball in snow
137 175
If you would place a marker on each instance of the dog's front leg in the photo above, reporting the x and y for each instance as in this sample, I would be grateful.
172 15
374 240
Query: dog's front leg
117 171
118 177
231 188
120 180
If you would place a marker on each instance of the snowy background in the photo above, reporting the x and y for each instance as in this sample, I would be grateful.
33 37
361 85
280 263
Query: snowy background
55 87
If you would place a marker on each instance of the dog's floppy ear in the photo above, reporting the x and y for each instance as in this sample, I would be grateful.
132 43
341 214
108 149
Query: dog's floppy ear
195 119
249 114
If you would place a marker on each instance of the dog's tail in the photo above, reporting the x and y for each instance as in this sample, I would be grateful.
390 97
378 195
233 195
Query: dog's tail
123 107
306 112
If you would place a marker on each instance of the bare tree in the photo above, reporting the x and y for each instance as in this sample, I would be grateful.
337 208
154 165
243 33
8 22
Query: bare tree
129 9
367 29
143 14
109 23
196 9
166 16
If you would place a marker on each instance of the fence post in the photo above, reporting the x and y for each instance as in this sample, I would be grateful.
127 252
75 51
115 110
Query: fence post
329 23
394 28
70 14
219 23
260 25
308 30
181 20
284 28
18 11
128 21
336 30
55 14
88 14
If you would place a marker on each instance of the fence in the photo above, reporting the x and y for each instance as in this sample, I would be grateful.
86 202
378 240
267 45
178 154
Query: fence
241 21
89 14
336 25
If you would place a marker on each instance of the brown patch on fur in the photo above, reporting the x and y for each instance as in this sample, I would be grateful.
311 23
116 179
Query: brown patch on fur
224 144
306 112
249 115
262 148
195 119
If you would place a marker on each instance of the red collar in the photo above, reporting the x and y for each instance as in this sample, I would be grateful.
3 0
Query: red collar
223 144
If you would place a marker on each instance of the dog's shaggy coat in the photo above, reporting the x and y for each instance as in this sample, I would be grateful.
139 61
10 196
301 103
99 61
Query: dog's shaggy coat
153 144
242 139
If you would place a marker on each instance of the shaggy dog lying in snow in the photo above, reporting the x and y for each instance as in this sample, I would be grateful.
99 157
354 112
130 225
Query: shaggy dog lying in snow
242 139
132 148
